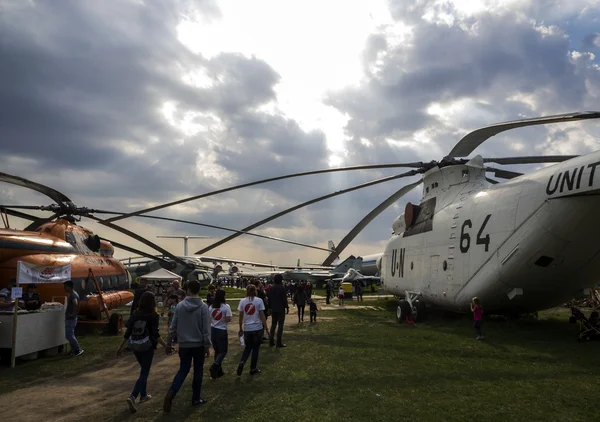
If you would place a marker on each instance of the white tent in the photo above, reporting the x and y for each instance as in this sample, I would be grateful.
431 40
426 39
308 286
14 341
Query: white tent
155 279
161 275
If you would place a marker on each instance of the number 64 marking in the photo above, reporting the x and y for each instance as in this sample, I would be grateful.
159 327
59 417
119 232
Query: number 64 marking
465 239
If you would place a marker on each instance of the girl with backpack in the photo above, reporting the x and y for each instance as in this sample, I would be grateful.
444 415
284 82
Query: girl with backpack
142 337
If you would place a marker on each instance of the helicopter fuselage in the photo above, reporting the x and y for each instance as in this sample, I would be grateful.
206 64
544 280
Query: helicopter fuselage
59 243
523 245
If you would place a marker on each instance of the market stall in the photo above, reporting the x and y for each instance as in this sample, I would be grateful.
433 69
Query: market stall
27 332
36 330
159 281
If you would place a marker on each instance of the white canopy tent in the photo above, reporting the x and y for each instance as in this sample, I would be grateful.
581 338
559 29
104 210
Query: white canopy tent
161 275
157 282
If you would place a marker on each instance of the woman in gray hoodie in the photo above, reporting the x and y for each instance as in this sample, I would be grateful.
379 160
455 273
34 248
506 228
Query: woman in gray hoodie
191 323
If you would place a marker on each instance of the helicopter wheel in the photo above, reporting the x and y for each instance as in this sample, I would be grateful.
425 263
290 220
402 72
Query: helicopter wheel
419 311
402 311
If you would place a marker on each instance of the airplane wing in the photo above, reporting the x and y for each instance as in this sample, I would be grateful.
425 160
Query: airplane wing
217 259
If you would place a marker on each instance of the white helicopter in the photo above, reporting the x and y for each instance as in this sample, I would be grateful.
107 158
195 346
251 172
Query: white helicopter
521 245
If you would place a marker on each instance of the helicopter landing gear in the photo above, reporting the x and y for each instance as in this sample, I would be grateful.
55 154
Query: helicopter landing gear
403 311
411 309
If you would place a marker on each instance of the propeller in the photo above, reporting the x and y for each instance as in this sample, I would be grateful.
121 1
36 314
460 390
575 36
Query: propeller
367 219
166 263
472 140
61 199
539 159
64 206
140 239
503 174
304 204
462 149
271 179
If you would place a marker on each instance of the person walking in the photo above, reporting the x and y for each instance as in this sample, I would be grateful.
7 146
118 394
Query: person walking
279 308
71 318
262 294
359 291
308 289
220 315
143 336
328 292
300 300
252 320
210 297
191 323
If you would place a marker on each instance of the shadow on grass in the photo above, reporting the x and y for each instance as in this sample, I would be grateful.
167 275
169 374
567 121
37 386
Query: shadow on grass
225 395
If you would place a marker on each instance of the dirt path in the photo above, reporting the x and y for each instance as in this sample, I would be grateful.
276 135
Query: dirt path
93 395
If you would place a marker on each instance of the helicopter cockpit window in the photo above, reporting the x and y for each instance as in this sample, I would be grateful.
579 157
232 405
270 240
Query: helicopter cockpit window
70 237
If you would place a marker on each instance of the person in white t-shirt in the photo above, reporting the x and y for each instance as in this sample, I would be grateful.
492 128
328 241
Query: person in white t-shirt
252 321
220 315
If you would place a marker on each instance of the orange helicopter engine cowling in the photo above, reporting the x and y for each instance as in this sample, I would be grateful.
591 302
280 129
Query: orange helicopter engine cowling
92 307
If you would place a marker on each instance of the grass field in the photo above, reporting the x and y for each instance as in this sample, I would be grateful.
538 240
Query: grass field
361 365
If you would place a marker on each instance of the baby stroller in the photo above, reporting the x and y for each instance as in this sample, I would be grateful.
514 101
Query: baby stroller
588 328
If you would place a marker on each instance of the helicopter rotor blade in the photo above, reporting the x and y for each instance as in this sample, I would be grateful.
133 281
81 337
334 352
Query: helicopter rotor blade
36 224
53 194
472 140
137 251
416 165
140 239
36 221
19 214
367 219
503 174
304 204
540 159
176 220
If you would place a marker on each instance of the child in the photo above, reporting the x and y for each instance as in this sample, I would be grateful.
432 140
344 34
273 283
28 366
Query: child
172 304
477 310
341 295
313 310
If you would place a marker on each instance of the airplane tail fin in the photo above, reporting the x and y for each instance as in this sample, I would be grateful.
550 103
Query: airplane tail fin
331 245
346 264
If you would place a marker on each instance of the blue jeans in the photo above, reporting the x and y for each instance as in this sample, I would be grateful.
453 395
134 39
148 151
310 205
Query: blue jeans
145 361
253 339
70 325
186 355
219 341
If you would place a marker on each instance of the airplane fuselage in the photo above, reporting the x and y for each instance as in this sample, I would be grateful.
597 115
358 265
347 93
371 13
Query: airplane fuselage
522 245
369 264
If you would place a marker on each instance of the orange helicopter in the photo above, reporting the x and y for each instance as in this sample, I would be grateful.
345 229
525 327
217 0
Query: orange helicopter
59 240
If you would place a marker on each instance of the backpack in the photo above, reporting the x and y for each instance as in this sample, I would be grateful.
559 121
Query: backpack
139 341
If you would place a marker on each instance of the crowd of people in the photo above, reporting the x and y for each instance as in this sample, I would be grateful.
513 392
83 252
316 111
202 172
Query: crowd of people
196 326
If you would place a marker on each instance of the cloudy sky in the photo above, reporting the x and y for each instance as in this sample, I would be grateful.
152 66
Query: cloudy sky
123 104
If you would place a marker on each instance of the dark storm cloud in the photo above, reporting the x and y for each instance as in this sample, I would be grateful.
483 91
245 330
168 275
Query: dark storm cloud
485 58
84 82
